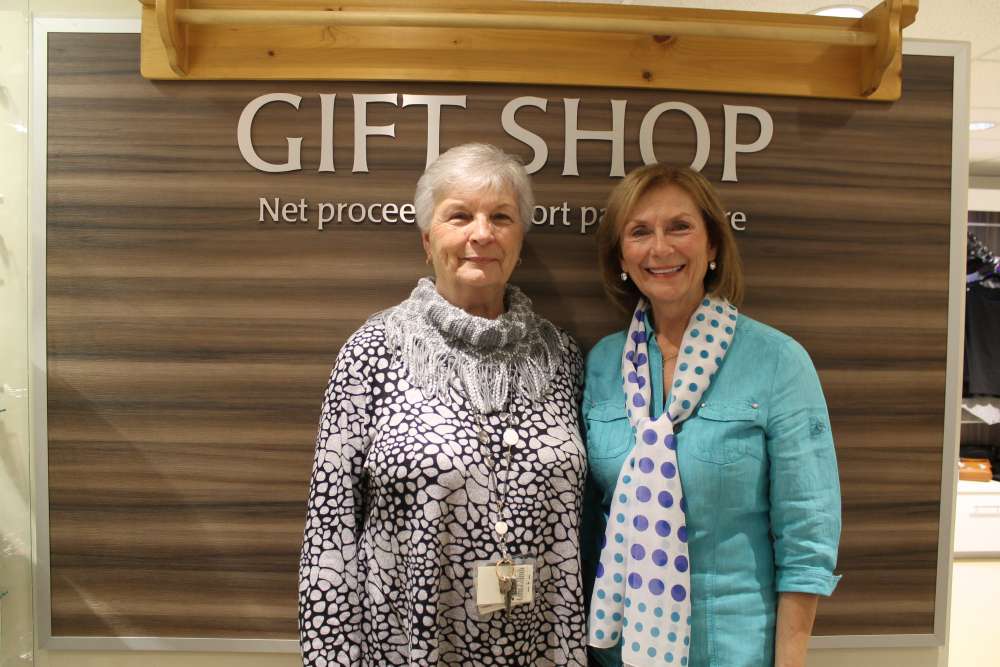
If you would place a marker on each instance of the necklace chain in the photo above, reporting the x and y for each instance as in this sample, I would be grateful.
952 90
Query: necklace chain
494 478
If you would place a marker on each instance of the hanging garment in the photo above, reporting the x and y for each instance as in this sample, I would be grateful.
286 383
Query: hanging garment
982 337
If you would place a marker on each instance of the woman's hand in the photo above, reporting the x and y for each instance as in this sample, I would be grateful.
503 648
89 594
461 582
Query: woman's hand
796 613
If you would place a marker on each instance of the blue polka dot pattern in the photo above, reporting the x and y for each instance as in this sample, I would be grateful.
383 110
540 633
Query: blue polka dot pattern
641 571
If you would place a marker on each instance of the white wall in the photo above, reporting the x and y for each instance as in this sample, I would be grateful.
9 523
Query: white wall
976 583
15 533
984 199
17 640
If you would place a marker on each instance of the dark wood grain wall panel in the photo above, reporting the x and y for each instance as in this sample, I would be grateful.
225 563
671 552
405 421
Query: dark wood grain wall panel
188 344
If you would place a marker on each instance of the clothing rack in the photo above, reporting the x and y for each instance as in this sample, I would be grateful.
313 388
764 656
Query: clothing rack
984 224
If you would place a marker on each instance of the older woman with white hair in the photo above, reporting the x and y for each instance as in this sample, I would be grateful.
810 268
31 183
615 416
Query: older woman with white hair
444 506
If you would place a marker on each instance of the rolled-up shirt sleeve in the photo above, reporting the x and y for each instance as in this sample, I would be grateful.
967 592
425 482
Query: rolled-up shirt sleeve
804 481
329 586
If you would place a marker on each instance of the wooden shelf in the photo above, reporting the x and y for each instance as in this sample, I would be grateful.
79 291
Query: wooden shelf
529 43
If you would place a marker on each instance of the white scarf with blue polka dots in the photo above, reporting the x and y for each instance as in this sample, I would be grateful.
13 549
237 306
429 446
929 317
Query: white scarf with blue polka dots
642 593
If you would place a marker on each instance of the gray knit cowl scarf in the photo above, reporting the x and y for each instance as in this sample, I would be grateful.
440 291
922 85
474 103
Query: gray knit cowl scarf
443 346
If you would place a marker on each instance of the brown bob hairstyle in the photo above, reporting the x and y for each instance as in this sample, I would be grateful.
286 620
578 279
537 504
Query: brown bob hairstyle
726 281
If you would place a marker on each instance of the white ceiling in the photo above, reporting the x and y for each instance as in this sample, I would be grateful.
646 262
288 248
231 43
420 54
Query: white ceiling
974 21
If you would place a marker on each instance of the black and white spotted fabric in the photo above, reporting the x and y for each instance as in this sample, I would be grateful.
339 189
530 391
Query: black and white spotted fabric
400 510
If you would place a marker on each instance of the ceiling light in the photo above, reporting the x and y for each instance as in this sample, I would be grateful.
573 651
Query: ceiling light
841 11
980 125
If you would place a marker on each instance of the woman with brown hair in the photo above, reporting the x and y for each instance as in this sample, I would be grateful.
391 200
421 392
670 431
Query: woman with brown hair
713 477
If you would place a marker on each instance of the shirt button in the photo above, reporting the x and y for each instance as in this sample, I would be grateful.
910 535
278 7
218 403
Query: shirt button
755 405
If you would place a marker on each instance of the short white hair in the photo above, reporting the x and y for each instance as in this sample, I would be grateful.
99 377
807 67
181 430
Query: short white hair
472 166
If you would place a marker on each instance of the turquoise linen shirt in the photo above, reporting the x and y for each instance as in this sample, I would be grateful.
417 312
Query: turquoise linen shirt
760 476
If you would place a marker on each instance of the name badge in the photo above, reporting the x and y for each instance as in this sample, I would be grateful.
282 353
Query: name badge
489 598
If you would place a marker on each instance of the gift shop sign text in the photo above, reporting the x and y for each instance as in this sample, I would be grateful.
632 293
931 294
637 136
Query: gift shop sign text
443 105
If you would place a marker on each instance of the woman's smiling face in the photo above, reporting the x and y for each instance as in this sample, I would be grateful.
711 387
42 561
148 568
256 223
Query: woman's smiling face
665 247
474 239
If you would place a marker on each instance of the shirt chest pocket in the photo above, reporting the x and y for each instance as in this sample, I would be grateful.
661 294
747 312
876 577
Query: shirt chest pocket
725 432
609 433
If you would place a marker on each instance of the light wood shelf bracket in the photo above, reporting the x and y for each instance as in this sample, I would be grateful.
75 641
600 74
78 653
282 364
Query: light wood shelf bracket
173 33
529 43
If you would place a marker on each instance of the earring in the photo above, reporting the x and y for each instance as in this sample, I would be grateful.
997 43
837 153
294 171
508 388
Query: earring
519 260
712 265
624 277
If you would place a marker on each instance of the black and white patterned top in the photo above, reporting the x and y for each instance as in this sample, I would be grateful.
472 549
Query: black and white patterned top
400 510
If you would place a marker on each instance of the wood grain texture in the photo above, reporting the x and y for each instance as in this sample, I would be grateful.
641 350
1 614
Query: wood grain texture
601 58
189 345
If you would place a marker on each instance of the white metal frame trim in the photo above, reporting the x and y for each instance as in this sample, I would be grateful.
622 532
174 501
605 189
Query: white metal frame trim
959 51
